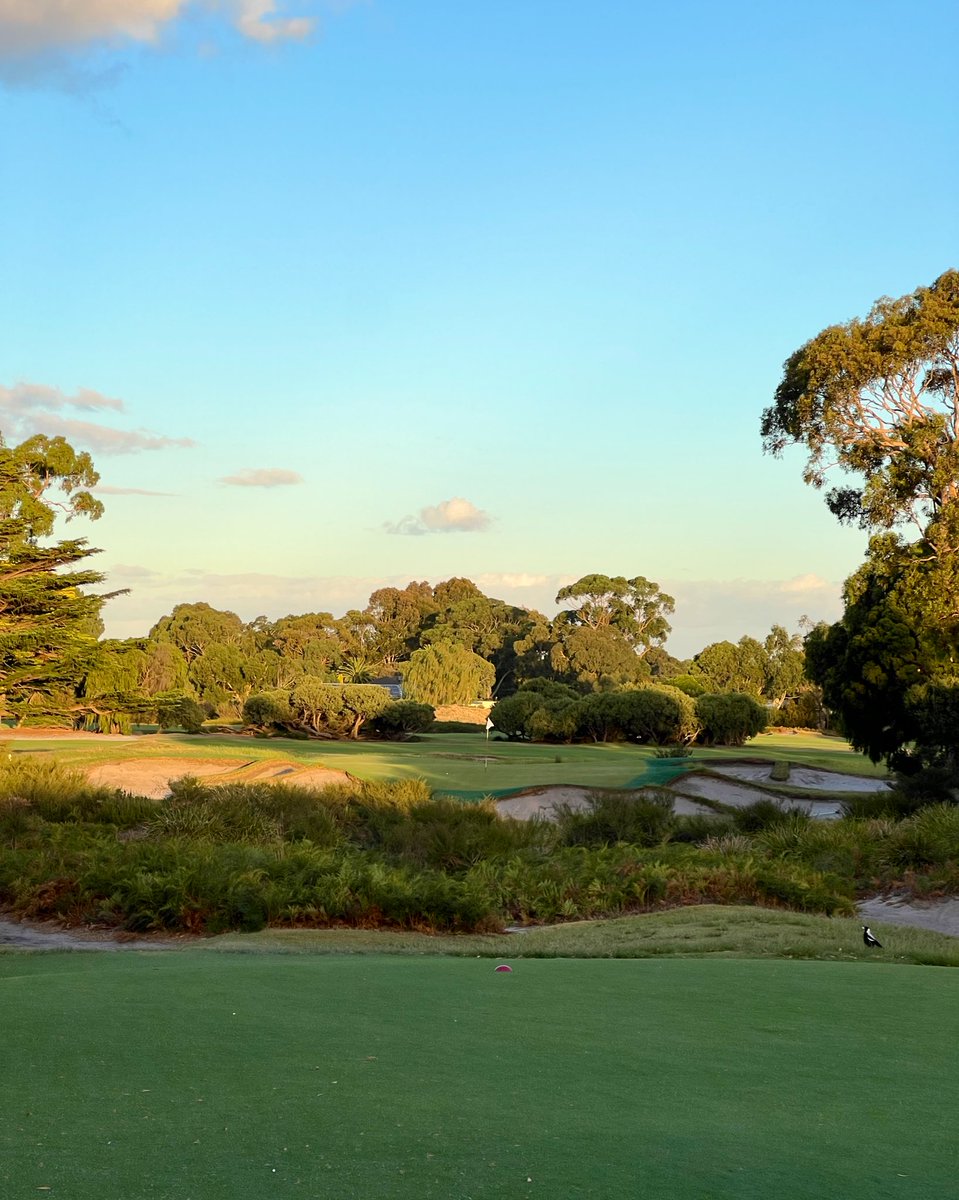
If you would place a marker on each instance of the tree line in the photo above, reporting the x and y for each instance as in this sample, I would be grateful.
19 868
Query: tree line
874 399
443 644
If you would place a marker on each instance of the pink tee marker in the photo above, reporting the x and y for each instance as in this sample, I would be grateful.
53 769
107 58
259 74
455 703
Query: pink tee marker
504 967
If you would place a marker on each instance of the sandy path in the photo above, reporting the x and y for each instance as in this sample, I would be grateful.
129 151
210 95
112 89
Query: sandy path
47 935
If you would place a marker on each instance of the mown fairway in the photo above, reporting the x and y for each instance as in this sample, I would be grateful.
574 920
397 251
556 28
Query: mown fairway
463 764
201 1077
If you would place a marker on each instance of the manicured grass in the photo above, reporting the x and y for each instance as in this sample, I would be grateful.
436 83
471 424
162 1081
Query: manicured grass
201 1077
703 930
463 764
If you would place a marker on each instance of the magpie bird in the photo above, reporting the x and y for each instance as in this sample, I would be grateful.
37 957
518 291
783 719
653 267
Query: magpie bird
869 939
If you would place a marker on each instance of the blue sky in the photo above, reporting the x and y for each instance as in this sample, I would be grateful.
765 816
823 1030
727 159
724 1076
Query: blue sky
347 294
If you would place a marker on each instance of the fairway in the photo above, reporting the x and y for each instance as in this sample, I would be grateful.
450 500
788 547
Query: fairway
464 765
237 1077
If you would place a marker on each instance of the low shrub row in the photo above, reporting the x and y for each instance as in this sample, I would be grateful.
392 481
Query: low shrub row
376 854
655 714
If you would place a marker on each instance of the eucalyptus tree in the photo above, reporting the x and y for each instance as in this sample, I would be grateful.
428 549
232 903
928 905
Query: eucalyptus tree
877 400
636 608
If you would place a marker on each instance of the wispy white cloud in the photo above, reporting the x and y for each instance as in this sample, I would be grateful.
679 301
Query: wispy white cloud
30 397
449 516
259 20
31 27
30 408
262 477
71 45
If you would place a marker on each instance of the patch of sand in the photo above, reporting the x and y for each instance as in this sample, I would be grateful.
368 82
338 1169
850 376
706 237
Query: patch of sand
151 777
942 916
543 803
803 777
739 796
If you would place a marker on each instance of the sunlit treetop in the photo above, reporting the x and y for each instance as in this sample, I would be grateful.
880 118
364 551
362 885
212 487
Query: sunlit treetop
878 399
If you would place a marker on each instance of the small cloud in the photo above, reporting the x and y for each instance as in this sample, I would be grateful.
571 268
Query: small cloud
102 439
56 43
806 585
406 526
449 516
262 477
507 579
27 409
257 19
35 26
29 397
132 571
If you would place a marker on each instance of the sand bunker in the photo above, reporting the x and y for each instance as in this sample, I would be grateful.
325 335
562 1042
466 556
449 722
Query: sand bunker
543 803
939 915
151 777
803 777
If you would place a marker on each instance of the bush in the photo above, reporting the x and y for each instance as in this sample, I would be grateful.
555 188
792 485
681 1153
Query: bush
511 715
643 819
175 710
403 717
268 710
729 718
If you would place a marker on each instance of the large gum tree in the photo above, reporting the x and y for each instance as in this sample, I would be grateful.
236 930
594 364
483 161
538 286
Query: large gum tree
875 402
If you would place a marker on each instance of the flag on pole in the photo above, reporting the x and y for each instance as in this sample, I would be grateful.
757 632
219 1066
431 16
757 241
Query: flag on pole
489 726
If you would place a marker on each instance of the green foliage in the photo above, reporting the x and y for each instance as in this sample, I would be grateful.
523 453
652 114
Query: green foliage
268 711
878 398
175 710
729 719
729 667
49 625
635 607
402 718
336 710
865 665
639 819
447 673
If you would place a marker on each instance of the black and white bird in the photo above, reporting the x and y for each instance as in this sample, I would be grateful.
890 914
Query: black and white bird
869 938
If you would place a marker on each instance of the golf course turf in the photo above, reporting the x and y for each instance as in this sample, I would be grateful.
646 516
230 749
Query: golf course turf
213 1076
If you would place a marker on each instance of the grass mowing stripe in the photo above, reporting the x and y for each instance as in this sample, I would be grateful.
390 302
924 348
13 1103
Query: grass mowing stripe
200 1077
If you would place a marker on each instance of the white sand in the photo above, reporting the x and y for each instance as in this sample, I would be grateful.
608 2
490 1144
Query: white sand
804 777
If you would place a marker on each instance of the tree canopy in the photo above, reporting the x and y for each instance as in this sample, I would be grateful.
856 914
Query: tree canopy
878 399
49 623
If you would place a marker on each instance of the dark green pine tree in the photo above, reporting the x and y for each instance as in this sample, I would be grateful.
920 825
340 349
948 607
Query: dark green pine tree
49 623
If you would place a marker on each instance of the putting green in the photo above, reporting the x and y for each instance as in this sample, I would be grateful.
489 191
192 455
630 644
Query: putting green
207 1077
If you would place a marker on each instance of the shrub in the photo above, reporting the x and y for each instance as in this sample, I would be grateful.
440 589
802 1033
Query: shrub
403 717
763 814
511 714
657 713
268 710
177 710
729 718
643 819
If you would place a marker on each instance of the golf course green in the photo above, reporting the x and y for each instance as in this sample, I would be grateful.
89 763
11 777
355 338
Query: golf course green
230 1076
